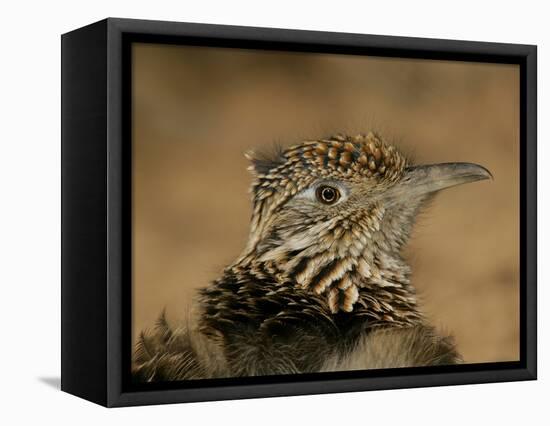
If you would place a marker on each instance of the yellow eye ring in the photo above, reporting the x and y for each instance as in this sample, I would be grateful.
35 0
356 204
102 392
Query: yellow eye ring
327 194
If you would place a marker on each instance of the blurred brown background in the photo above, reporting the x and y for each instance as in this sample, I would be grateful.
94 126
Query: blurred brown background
197 110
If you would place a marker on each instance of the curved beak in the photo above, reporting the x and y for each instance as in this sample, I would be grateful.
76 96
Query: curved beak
430 178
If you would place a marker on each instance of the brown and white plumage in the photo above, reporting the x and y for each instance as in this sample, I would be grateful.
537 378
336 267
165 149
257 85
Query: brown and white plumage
321 284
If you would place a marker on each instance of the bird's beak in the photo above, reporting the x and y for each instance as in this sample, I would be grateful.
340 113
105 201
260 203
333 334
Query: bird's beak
426 179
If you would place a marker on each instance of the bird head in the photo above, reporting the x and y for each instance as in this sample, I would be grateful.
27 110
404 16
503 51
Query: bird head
332 215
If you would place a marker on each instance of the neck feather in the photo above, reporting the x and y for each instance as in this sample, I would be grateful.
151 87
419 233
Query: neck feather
373 285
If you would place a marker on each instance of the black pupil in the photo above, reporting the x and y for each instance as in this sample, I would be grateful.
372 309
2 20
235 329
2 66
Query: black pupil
328 194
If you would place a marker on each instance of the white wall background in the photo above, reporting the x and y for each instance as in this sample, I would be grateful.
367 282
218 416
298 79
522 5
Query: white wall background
30 200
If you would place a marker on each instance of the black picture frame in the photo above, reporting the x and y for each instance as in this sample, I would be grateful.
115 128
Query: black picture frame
96 211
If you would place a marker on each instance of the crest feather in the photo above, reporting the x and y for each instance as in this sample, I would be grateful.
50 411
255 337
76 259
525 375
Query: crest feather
265 160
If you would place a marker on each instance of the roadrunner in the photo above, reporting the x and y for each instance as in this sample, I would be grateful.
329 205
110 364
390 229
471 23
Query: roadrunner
321 284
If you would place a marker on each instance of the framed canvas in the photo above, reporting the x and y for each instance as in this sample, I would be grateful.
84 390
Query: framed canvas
251 212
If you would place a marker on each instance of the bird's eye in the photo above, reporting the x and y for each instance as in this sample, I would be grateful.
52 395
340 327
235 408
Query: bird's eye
327 194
